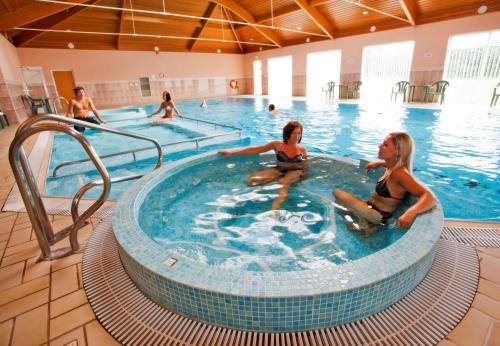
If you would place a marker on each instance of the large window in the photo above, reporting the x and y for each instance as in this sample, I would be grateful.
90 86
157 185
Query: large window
279 74
472 67
257 77
383 66
322 67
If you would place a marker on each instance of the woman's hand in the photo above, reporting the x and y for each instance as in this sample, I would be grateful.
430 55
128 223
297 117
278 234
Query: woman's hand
406 220
373 165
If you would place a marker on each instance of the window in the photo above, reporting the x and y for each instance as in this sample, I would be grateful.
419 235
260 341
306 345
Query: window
257 77
472 67
145 86
279 73
383 66
322 67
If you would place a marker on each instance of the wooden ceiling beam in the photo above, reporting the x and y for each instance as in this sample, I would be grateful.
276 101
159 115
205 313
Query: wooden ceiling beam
31 13
197 32
410 10
234 7
49 22
316 17
234 31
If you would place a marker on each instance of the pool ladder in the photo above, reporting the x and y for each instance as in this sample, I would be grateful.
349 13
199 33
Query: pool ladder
31 195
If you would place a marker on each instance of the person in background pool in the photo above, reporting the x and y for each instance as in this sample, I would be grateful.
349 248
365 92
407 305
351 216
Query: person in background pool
396 151
291 161
169 106
272 109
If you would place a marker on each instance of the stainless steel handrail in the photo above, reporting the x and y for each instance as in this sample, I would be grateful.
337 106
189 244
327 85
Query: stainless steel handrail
211 123
134 151
31 195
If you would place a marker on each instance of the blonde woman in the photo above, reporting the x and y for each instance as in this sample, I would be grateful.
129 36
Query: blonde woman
396 151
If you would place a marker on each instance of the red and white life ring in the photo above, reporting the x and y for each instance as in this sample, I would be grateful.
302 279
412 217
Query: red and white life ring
234 84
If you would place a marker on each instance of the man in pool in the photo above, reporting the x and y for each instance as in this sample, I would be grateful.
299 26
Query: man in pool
272 109
79 106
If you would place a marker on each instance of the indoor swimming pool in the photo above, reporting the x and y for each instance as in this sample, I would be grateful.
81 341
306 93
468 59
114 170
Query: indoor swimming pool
457 149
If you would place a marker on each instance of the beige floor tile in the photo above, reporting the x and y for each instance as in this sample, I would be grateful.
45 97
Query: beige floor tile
494 337
77 334
20 236
29 245
487 305
490 267
446 342
24 289
80 275
472 330
35 270
6 224
97 335
20 256
71 320
11 276
64 281
25 226
6 332
24 304
64 262
68 302
31 327
493 251
489 289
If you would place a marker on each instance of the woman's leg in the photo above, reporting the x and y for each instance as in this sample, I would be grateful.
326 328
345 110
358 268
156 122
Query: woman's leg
359 207
264 176
161 120
288 179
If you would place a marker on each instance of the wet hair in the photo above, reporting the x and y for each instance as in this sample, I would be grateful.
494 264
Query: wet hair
271 107
77 89
404 146
167 96
289 128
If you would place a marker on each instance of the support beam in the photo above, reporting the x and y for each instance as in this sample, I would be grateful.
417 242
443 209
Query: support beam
31 13
197 32
317 17
234 31
410 10
120 27
25 37
234 7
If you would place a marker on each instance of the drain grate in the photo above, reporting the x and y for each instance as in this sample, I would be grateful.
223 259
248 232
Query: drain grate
488 237
423 317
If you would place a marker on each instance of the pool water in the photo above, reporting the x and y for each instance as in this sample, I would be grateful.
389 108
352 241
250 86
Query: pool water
210 215
457 149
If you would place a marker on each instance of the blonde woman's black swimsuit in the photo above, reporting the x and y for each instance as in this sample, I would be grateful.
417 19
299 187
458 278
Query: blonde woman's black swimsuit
383 191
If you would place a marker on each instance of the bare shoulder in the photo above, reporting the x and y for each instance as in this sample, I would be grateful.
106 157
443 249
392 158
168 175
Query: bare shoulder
400 173
303 151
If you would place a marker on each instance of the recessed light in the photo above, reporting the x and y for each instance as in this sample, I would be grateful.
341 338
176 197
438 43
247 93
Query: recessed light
251 39
218 50
299 28
71 45
482 9
308 39
373 28
365 12
156 48
260 48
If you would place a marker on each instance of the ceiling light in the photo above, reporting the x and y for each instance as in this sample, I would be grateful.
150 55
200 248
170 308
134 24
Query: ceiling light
299 28
156 49
218 50
365 12
482 9
260 48
251 39
308 39
373 28
71 45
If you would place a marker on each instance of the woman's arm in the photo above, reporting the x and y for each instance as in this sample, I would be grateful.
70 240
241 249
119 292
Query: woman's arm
175 108
374 164
250 150
158 111
424 202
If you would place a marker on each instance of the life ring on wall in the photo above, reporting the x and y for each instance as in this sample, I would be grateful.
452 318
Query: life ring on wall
234 84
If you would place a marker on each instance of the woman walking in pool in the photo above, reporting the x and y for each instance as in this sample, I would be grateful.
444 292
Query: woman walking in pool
169 106
396 151
291 163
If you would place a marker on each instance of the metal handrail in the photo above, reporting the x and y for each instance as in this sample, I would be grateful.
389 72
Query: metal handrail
31 195
211 123
134 151
59 98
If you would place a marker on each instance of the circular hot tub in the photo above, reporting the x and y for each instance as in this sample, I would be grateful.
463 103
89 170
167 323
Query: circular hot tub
195 238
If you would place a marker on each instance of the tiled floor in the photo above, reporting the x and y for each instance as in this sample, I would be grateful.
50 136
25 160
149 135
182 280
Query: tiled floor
45 303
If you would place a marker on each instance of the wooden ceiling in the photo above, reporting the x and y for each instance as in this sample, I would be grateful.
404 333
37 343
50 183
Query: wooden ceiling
212 25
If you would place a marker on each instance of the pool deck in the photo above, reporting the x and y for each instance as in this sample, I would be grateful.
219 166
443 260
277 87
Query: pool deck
45 303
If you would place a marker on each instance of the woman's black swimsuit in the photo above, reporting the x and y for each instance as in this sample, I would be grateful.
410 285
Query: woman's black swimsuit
286 163
383 191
